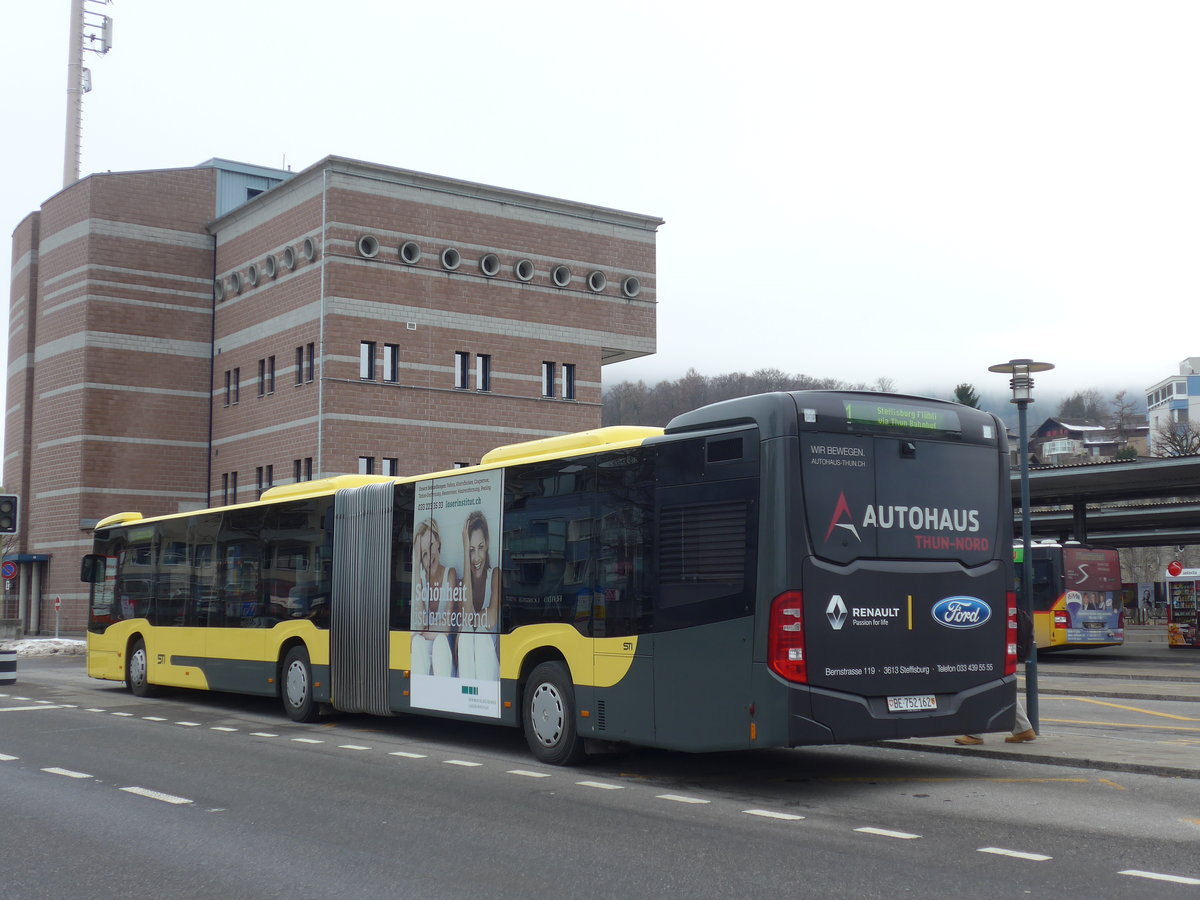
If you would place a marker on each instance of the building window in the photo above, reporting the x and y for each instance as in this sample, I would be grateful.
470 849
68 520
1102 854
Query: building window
461 465
296 470
483 372
299 365
391 362
270 374
308 468
366 465
270 477
262 377
391 465
366 360
228 387
258 482
311 368
233 487
237 385
225 489
547 379
568 381
462 370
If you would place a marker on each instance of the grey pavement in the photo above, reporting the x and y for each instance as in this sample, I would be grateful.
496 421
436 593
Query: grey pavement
1145 670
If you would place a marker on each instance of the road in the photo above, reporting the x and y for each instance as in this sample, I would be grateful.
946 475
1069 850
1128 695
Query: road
196 795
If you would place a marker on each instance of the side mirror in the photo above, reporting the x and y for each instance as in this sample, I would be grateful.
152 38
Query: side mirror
93 568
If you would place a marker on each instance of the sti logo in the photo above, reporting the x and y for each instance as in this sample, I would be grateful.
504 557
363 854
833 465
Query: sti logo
842 512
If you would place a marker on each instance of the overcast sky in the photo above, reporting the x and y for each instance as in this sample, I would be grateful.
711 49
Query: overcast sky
855 190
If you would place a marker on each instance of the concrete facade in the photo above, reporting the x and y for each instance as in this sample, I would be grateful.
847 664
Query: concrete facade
184 338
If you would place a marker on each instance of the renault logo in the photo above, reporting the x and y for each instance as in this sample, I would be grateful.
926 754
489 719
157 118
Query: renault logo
836 612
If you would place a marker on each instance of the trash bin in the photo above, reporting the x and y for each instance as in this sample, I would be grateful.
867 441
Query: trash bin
8 666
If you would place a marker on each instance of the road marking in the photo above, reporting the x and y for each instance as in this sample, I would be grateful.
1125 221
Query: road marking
307 741
157 795
526 773
1136 709
1112 784
67 772
1015 854
154 718
407 755
461 762
1158 876
95 709
601 785
680 798
355 747
123 715
4 757
224 728
262 734
25 708
768 814
189 724
883 832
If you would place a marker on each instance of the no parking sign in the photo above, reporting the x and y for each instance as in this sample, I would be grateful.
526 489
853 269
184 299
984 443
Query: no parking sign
9 569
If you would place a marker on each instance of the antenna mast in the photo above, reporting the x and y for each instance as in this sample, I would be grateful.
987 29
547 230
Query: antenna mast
79 79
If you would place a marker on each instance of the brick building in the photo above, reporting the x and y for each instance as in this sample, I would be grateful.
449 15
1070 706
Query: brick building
189 337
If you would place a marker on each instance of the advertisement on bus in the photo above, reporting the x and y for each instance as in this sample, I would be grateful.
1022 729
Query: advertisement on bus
455 619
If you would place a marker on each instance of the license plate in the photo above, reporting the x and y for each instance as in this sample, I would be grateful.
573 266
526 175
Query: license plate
908 704
1093 626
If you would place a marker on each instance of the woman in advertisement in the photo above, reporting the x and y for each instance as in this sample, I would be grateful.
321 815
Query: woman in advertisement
433 602
478 652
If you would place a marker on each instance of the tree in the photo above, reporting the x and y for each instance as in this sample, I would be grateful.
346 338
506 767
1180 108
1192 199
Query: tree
1082 406
966 395
1177 439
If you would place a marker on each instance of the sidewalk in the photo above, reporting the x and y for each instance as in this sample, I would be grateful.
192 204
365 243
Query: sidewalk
1113 749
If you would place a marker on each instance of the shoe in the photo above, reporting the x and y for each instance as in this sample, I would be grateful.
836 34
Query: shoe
1021 737
968 739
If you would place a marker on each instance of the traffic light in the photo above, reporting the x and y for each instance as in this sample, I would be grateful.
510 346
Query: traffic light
8 513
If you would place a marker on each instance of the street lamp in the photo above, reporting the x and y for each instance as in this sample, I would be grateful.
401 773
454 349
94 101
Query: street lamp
1021 371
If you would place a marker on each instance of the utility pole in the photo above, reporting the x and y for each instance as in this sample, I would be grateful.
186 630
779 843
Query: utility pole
79 79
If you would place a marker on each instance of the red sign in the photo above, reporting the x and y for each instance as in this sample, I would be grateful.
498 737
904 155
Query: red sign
1174 568
9 569
57 603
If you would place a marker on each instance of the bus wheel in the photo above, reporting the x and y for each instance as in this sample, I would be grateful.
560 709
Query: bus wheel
297 691
550 716
137 670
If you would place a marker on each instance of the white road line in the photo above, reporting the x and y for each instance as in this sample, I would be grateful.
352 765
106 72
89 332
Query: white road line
95 709
307 741
68 772
123 715
768 814
352 747
25 708
262 734
157 795
679 798
189 724
1015 854
407 755
41 701
528 774
1158 876
883 832
601 785
4 757
461 762
224 728
154 718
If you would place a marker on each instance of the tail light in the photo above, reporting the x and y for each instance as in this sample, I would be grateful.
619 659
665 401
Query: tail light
785 639
1060 618
1010 644
1121 620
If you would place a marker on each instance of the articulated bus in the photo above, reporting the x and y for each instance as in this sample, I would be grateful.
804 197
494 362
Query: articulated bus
772 571
1076 596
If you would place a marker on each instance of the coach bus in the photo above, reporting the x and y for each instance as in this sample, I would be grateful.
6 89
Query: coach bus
1076 595
772 571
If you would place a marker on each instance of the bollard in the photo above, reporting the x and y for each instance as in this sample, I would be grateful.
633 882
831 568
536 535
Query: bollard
8 666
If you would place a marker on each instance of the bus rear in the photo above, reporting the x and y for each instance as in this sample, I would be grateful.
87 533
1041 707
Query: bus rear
1076 596
891 613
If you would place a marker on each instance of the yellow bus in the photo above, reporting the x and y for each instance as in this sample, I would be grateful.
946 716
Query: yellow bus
786 569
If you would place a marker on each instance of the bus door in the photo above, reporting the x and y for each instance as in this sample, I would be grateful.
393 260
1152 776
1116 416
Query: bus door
707 539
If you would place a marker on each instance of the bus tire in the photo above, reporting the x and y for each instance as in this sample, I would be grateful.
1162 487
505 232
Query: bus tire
296 687
549 716
137 670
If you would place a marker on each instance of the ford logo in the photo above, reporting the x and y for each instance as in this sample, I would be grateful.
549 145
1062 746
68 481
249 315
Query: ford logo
961 612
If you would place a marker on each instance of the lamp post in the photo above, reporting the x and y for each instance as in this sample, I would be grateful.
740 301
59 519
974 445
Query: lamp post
1021 371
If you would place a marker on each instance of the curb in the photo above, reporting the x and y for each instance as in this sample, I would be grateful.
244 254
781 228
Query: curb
1047 759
